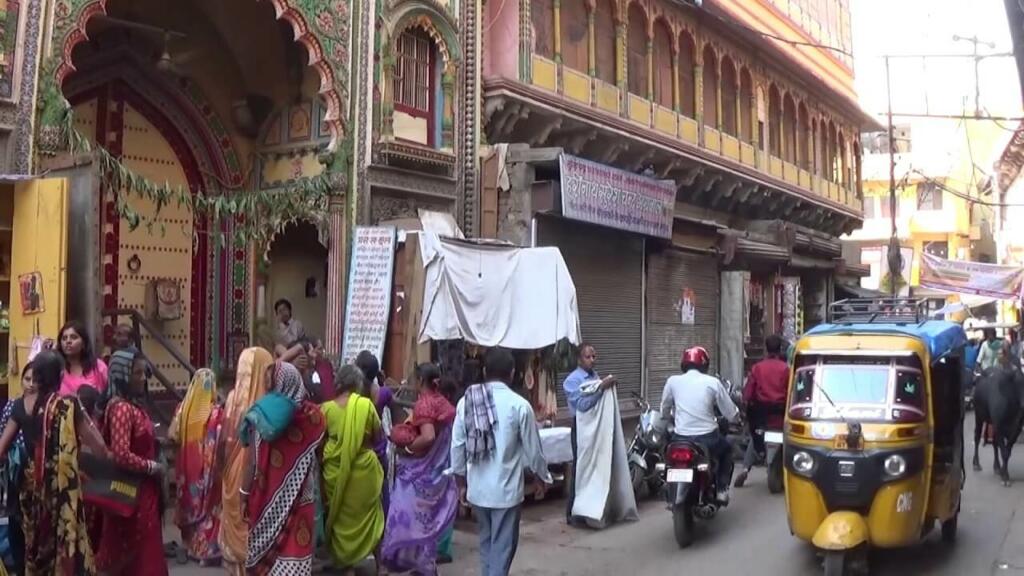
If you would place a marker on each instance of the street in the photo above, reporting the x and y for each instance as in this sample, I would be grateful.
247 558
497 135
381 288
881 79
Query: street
751 535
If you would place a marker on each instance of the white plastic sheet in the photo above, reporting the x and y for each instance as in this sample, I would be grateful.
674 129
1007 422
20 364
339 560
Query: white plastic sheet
497 295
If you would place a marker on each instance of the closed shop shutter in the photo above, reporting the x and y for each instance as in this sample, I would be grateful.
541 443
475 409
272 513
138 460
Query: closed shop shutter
670 273
607 269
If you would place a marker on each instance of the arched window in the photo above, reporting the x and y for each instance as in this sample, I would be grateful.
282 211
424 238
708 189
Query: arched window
804 130
774 121
710 67
415 85
815 148
730 96
663 80
637 42
746 105
830 153
542 17
858 185
789 129
604 33
574 24
843 162
687 80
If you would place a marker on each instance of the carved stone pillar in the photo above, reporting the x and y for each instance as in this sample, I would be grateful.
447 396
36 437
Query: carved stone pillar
336 274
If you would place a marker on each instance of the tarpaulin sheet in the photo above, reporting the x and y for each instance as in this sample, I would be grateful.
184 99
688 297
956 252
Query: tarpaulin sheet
497 295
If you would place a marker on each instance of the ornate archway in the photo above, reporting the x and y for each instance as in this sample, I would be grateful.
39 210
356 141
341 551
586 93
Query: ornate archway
324 34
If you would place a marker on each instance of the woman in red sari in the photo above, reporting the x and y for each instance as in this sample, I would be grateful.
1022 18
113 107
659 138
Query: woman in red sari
132 545
284 430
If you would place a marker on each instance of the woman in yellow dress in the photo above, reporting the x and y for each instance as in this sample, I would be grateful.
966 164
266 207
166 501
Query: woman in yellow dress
251 380
353 476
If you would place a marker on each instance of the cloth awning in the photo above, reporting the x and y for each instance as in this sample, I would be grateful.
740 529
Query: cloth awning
798 261
855 291
496 295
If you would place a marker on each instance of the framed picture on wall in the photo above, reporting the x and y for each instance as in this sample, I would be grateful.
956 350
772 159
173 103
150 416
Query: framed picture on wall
31 289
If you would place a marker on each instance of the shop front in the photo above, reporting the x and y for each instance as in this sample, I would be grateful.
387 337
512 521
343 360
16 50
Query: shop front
604 222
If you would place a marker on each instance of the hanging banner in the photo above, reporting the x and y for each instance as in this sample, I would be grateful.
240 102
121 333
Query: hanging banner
369 292
1002 282
610 197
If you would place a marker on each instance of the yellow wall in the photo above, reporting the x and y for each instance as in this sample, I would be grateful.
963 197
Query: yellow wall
410 128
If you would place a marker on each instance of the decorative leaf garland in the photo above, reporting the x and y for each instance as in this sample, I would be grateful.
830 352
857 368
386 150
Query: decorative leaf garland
251 215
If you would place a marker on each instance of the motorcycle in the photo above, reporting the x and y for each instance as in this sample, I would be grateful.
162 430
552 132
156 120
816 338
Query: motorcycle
773 459
646 451
690 488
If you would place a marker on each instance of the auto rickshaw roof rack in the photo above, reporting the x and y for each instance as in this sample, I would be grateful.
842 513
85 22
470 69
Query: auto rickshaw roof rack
879 311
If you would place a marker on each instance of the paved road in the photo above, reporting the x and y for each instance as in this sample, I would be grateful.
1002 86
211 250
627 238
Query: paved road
751 537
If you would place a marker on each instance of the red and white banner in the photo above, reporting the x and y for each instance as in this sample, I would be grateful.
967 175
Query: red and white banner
994 281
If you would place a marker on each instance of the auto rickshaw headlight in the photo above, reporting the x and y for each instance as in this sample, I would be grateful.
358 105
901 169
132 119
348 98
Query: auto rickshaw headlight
803 463
895 465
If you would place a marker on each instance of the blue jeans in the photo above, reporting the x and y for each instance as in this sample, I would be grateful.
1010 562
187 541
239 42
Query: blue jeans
499 538
720 450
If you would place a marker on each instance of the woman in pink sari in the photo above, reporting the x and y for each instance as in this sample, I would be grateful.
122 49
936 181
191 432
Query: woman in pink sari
196 428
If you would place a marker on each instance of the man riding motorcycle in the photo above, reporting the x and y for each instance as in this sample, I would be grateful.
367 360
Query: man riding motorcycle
693 396
765 398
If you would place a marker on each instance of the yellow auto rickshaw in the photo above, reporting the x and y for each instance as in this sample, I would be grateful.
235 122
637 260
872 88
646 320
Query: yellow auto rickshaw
874 431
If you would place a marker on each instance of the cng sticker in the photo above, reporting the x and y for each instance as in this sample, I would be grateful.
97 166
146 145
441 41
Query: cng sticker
905 503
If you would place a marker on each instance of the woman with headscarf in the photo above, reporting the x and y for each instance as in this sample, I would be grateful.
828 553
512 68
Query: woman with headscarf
424 499
381 396
53 429
353 476
251 377
128 544
196 428
283 431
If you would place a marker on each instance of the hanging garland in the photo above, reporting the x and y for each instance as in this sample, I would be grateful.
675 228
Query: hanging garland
251 215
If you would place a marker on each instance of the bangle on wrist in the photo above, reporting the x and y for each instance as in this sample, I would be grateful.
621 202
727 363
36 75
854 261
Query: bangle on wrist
242 491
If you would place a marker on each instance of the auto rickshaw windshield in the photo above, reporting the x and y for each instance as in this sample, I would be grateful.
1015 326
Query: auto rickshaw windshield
872 389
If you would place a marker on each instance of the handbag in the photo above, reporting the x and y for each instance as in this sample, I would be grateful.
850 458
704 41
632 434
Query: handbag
108 486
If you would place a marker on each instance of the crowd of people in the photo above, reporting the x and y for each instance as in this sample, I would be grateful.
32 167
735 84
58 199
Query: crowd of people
298 458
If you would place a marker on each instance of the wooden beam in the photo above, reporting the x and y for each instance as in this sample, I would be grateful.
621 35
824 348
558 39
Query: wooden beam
668 168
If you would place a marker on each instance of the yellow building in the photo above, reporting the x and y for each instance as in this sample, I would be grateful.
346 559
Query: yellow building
937 174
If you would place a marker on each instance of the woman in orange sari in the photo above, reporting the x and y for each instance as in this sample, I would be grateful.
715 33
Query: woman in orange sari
196 428
254 367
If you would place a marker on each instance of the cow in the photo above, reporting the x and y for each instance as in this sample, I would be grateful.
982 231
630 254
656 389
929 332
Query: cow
997 402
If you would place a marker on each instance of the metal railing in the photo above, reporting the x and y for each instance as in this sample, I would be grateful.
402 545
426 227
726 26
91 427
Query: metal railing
879 311
138 324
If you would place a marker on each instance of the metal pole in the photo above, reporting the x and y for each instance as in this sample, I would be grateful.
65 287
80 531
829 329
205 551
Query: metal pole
895 266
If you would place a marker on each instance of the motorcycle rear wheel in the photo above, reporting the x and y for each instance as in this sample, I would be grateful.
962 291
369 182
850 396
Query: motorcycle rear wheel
683 524
775 482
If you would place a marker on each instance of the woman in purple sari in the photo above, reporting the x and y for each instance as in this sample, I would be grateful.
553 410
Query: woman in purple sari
425 499
382 397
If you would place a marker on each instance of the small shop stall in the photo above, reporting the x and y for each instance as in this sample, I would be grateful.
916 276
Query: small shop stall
453 299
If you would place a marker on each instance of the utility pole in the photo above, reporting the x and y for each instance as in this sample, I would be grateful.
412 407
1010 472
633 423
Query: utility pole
977 60
894 257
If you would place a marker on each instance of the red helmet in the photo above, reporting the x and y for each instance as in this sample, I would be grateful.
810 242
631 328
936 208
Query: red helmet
697 357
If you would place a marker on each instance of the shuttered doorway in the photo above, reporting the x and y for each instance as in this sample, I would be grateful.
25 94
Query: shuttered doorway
670 273
607 269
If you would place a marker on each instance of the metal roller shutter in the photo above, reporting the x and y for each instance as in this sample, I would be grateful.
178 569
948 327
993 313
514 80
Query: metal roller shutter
607 268
669 273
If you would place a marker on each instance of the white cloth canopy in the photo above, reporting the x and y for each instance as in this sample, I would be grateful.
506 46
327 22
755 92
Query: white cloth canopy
496 294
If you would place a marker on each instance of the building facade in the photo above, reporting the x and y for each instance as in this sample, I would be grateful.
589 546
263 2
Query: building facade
759 138
334 113
936 180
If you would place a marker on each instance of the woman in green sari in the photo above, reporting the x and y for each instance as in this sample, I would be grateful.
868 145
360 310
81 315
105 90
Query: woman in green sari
352 473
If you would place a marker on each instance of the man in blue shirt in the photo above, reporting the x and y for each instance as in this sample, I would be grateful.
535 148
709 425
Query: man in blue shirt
494 441
579 402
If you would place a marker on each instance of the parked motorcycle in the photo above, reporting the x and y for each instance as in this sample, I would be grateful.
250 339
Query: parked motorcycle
647 450
690 488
